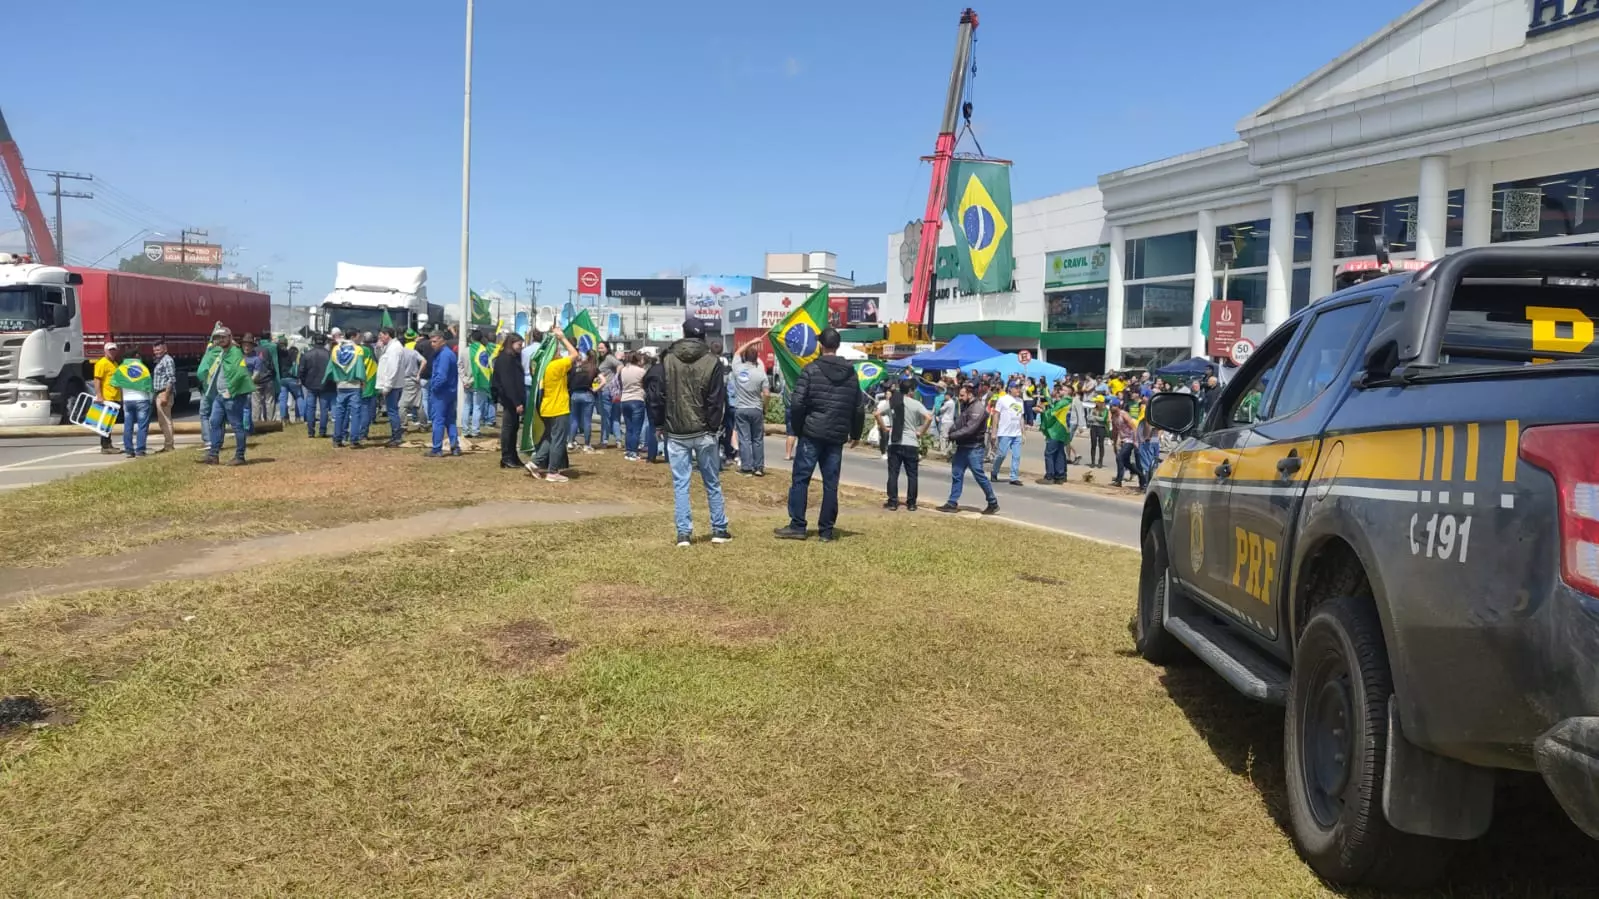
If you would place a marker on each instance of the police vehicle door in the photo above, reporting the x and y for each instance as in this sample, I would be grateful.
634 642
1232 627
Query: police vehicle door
1278 448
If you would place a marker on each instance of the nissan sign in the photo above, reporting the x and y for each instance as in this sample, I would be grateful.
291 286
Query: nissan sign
588 281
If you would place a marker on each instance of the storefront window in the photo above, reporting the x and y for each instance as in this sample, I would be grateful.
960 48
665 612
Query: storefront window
1159 305
1161 257
1358 226
1552 206
1300 297
1455 234
1251 290
1082 309
1252 240
1150 358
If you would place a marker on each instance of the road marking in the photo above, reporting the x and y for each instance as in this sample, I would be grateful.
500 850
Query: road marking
27 462
1054 530
97 463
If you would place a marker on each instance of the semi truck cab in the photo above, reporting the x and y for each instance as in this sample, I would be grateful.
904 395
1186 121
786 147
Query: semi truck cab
41 340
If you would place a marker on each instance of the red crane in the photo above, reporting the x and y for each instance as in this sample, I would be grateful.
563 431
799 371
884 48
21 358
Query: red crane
943 152
15 181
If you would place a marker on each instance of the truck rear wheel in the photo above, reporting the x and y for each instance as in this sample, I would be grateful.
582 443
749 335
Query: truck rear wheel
1150 636
1335 749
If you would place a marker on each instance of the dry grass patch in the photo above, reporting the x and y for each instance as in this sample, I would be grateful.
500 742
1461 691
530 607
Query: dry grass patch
918 722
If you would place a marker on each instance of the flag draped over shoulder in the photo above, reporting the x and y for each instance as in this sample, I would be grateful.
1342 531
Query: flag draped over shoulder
869 373
481 314
980 209
482 365
582 333
346 363
796 340
532 424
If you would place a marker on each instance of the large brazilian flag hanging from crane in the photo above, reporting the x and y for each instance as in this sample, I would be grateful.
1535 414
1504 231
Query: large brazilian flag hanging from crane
979 208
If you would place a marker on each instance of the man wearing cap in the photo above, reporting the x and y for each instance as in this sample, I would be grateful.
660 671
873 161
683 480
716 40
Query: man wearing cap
313 372
225 380
409 377
104 368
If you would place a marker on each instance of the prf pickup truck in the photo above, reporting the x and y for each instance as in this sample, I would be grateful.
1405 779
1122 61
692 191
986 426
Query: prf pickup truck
1388 522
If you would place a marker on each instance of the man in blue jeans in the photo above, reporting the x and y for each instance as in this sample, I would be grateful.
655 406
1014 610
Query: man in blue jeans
967 434
347 371
1009 414
686 396
225 380
828 412
313 374
442 401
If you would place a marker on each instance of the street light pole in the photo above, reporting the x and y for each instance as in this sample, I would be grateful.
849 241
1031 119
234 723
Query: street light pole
466 232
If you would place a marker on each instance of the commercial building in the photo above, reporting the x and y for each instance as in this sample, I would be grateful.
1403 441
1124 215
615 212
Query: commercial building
1463 123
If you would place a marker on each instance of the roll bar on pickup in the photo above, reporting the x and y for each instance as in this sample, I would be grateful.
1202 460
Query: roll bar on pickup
1411 335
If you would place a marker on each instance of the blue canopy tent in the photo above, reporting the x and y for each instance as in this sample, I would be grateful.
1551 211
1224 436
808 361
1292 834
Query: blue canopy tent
1009 364
1186 370
957 354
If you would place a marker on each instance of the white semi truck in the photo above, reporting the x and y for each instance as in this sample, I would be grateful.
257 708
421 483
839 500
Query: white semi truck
362 293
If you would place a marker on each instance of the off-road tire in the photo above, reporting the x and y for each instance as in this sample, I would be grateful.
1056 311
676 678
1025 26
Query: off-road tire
1150 636
1338 699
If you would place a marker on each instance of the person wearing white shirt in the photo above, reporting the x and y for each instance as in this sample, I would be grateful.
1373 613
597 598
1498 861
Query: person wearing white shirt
1008 416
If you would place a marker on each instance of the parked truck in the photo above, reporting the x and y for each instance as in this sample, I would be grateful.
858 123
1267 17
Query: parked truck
363 293
55 322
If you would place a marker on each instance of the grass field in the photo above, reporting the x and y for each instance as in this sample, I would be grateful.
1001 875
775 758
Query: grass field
929 706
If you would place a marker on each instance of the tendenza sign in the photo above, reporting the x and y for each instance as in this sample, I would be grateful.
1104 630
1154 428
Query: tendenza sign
1553 15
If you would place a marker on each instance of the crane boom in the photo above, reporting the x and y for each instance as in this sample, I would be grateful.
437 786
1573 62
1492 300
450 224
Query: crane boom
943 153
34 228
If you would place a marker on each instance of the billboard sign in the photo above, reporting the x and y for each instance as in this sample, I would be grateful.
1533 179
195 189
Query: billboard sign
1226 326
707 294
645 291
1072 268
588 281
205 255
861 310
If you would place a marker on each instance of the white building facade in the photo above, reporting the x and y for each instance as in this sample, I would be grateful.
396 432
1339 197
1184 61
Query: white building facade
1464 123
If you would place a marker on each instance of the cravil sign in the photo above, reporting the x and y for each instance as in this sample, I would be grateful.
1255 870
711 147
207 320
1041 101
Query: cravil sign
1553 15
1084 265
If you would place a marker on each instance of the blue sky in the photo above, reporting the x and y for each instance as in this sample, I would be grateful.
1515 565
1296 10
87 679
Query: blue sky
644 137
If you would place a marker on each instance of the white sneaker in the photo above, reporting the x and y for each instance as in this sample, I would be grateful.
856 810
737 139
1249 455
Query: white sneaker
587 448
556 477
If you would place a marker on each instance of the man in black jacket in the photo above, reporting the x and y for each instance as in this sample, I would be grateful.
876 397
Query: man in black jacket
313 372
507 386
686 395
827 413
967 433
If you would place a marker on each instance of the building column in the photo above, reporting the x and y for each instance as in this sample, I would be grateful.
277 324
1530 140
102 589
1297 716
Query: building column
1115 300
1204 279
1432 208
1323 243
1479 204
1280 255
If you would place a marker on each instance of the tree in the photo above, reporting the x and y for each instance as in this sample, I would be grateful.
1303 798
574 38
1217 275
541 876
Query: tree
140 264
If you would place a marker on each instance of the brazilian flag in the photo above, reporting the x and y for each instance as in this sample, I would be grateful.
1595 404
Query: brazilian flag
980 209
347 363
388 320
582 333
481 313
482 365
869 373
532 425
796 340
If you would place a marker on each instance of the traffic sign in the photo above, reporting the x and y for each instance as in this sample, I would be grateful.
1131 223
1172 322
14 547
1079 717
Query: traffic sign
1242 349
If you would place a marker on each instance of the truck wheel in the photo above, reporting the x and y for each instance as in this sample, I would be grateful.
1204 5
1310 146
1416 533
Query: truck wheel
67 389
1154 586
1335 748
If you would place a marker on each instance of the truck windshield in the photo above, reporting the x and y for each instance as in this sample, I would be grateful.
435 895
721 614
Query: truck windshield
1520 324
21 308
350 320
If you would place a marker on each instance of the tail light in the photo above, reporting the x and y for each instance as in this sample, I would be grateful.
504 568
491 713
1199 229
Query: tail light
1570 453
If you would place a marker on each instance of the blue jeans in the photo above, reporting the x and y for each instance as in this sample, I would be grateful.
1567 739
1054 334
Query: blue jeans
369 414
751 424
441 407
610 413
346 415
249 424
479 412
135 426
809 456
968 457
318 401
223 413
582 417
206 400
290 388
1127 461
686 456
1013 447
391 404
634 413
1054 459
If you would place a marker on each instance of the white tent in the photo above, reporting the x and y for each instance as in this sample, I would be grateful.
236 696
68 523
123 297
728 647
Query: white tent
851 352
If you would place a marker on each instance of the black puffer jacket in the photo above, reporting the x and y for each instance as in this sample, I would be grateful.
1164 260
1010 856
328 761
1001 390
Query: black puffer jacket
505 381
827 402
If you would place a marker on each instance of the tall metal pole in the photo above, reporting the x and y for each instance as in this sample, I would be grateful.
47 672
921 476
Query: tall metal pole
466 232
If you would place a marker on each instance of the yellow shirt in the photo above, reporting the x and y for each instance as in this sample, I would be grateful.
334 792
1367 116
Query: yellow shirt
556 401
103 369
1117 386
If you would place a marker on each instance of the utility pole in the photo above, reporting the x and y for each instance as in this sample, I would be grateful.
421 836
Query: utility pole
60 195
183 245
293 287
532 299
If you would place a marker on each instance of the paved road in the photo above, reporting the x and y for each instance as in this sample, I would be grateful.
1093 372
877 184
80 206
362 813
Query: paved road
35 460
1058 508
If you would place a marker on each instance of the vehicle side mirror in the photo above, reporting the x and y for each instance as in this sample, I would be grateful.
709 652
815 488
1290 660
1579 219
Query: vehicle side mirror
60 316
1174 412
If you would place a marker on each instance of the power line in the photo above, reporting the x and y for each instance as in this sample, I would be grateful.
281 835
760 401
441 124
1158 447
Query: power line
60 195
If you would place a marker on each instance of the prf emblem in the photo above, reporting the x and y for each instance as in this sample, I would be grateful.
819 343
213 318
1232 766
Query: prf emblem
1196 537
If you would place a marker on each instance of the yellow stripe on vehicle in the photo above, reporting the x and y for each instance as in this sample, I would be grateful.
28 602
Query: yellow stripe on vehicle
1395 455
1512 445
1446 472
1429 450
1259 463
1471 451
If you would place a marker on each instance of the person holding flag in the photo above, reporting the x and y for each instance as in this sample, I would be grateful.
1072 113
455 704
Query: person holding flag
133 378
1057 426
554 408
827 410
225 380
480 399
347 371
